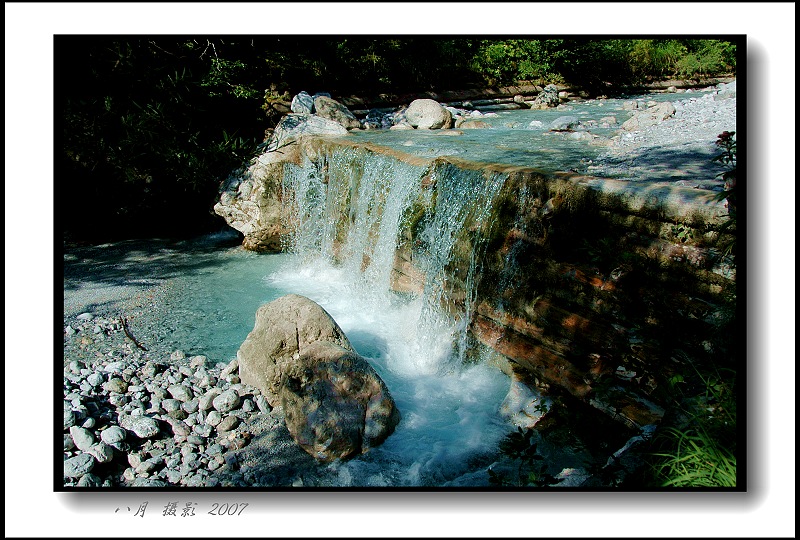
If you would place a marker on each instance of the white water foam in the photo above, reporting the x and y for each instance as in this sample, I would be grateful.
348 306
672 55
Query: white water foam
450 413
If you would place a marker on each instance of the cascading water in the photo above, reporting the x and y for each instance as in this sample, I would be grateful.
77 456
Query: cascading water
346 234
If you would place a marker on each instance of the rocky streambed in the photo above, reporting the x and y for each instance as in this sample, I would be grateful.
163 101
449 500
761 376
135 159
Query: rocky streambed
136 418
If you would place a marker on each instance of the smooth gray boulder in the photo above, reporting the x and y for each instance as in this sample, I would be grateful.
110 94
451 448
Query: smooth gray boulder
428 114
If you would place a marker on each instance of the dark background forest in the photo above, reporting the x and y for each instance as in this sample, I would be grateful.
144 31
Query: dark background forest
148 126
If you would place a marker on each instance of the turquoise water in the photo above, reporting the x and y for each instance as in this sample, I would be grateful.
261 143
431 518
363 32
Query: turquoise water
450 425
512 140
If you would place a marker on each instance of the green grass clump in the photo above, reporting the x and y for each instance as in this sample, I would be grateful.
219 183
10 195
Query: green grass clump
700 449
697 461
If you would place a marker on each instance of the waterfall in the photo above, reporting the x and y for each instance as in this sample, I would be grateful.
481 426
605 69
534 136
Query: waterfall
351 213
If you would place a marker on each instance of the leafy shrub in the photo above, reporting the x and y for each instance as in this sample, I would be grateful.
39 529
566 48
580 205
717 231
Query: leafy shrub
706 57
521 446
508 61
656 58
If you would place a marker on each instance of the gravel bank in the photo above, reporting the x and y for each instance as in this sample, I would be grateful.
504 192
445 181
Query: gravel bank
679 149
148 418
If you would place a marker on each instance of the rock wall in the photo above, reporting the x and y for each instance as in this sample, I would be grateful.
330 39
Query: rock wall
588 288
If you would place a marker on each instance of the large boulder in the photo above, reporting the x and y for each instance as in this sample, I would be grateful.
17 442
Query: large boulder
336 405
428 114
283 328
251 203
251 199
333 110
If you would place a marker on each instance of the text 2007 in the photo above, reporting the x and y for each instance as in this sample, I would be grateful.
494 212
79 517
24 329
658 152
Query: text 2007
226 509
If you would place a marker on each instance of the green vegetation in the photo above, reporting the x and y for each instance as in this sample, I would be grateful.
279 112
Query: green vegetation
147 126
698 447
602 65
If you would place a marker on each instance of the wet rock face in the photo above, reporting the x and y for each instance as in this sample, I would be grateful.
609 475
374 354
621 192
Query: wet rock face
336 405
